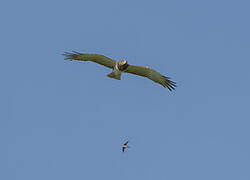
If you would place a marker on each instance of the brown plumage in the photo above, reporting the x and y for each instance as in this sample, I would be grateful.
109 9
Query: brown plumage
122 66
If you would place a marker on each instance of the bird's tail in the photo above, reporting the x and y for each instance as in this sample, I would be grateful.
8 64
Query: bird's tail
115 75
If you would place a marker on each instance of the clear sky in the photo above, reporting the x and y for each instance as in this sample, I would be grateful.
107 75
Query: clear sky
67 120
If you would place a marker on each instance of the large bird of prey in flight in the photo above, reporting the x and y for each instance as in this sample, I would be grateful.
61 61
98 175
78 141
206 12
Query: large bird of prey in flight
122 66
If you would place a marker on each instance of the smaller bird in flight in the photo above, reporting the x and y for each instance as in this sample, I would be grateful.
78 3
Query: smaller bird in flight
124 146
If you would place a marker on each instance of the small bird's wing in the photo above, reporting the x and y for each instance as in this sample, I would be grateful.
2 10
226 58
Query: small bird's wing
151 74
126 143
97 58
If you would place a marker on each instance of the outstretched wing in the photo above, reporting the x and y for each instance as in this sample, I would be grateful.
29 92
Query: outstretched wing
151 74
126 143
97 58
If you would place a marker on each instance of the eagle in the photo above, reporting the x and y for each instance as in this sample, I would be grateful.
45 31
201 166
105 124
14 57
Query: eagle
124 146
118 67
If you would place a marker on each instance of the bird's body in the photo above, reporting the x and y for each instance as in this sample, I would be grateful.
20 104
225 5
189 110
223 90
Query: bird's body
124 146
116 73
119 67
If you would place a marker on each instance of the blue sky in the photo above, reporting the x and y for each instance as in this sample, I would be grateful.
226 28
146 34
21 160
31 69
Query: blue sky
67 120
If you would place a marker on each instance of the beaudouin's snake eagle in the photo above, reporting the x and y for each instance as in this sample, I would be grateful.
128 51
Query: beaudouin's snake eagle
122 66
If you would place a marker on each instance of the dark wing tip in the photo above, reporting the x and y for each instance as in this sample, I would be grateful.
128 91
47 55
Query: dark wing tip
171 85
76 52
70 56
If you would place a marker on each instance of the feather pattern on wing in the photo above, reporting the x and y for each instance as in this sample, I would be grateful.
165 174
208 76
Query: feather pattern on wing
151 74
97 58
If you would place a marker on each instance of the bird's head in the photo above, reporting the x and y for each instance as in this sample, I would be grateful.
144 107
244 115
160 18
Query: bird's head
122 65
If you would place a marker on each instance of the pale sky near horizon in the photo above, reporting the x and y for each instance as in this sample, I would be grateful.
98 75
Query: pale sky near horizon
68 120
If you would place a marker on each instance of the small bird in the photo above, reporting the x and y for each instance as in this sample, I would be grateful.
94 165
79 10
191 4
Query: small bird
119 67
124 146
